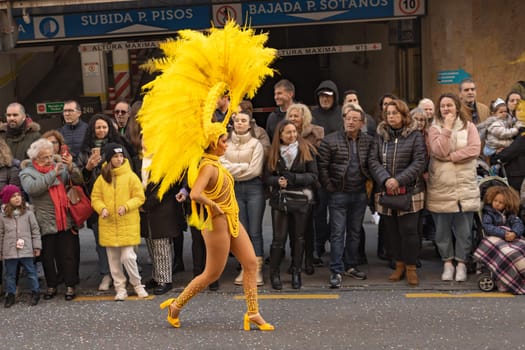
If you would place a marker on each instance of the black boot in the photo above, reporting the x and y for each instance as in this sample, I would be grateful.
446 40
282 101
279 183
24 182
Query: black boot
275 265
35 298
381 251
298 255
9 300
296 279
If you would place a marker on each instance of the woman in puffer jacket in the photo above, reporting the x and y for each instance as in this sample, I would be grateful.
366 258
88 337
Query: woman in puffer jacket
397 163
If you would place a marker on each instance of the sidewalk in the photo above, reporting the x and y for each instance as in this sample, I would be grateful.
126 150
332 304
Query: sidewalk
378 270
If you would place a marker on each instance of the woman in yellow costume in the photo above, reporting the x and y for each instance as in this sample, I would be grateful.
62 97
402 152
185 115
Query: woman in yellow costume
176 119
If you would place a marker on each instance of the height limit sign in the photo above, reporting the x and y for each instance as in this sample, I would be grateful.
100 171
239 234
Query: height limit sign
409 8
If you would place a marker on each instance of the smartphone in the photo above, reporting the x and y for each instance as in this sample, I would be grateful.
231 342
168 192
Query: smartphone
95 150
64 150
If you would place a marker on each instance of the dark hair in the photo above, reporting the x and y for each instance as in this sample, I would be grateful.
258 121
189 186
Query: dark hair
306 149
133 129
459 109
251 121
512 199
285 84
349 92
402 108
246 105
77 105
89 138
466 80
512 92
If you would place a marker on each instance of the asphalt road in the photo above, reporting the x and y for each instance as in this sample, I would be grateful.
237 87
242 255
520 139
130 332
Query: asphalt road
369 314
345 319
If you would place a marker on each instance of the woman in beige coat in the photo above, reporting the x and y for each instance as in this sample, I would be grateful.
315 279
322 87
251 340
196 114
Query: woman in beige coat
452 191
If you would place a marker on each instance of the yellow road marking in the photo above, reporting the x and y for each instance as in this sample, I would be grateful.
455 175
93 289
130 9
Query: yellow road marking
292 296
108 297
466 295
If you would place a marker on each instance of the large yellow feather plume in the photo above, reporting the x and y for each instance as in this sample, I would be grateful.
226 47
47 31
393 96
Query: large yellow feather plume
176 115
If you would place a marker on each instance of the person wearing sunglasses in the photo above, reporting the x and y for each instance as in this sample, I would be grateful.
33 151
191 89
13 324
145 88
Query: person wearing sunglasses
121 116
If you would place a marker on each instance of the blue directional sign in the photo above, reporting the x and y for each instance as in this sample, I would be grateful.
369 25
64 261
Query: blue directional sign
113 23
278 12
452 76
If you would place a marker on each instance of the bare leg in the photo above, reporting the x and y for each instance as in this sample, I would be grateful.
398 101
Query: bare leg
217 248
242 248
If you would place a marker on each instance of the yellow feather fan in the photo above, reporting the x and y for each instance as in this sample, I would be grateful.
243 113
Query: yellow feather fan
176 115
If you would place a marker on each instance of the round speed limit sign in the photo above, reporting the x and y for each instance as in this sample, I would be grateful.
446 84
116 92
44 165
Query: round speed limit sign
409 7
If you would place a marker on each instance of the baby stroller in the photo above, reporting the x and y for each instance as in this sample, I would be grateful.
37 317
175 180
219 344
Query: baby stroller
486 280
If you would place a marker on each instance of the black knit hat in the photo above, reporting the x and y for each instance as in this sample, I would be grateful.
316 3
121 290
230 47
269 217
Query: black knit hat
110 149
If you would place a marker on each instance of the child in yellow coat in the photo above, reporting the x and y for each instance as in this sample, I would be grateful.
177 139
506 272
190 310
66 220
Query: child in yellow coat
116 197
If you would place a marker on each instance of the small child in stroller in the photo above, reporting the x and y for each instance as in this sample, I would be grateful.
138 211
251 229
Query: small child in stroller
502 251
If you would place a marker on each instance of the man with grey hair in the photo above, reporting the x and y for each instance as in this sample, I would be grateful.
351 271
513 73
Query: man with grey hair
476 111
74 129
343 171
19 131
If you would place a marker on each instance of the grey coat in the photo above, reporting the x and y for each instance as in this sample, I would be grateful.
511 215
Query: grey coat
37 187
23 227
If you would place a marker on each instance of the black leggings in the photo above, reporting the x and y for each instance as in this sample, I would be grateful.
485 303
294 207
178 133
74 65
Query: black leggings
283 221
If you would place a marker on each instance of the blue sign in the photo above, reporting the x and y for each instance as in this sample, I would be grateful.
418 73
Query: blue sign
452 76
115 23
264 13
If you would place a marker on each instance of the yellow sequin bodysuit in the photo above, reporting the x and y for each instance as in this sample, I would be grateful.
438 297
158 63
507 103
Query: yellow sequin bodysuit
224 190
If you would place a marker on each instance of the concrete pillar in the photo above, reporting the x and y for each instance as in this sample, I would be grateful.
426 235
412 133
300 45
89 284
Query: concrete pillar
94 74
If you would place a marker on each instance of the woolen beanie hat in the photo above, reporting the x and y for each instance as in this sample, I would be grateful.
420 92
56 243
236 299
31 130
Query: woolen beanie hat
110 149
8 191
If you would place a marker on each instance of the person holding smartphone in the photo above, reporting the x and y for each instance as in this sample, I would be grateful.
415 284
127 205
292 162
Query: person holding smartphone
397 162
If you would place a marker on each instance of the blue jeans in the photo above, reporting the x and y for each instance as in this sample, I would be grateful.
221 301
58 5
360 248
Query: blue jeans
347 211
250 197
11 271
458 225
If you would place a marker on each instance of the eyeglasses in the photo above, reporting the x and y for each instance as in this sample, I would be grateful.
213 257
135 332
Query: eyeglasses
70 110
45 157
119 111
12 115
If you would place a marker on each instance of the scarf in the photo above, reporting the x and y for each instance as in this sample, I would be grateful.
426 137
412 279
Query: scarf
58 197
289 152
19 130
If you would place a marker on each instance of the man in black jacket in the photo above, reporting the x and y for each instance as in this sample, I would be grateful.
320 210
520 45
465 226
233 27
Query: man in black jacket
283 94
343 172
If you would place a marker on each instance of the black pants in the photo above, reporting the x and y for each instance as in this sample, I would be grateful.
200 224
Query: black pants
296 222
198 251
402 236
61 249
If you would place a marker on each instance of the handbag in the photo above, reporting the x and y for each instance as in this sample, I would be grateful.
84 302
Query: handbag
79 204
295 201
401 202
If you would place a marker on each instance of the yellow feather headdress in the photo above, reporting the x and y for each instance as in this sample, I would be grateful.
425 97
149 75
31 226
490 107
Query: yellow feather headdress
176 115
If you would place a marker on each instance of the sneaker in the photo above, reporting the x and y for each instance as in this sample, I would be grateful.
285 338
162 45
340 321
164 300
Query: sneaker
461 272
141 292
121 295
105 284
448 272
336 280
355 273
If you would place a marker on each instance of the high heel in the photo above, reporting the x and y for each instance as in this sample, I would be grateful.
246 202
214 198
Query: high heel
174 321
250 319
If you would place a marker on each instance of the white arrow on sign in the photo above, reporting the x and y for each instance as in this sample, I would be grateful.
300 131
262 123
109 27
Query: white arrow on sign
316 16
